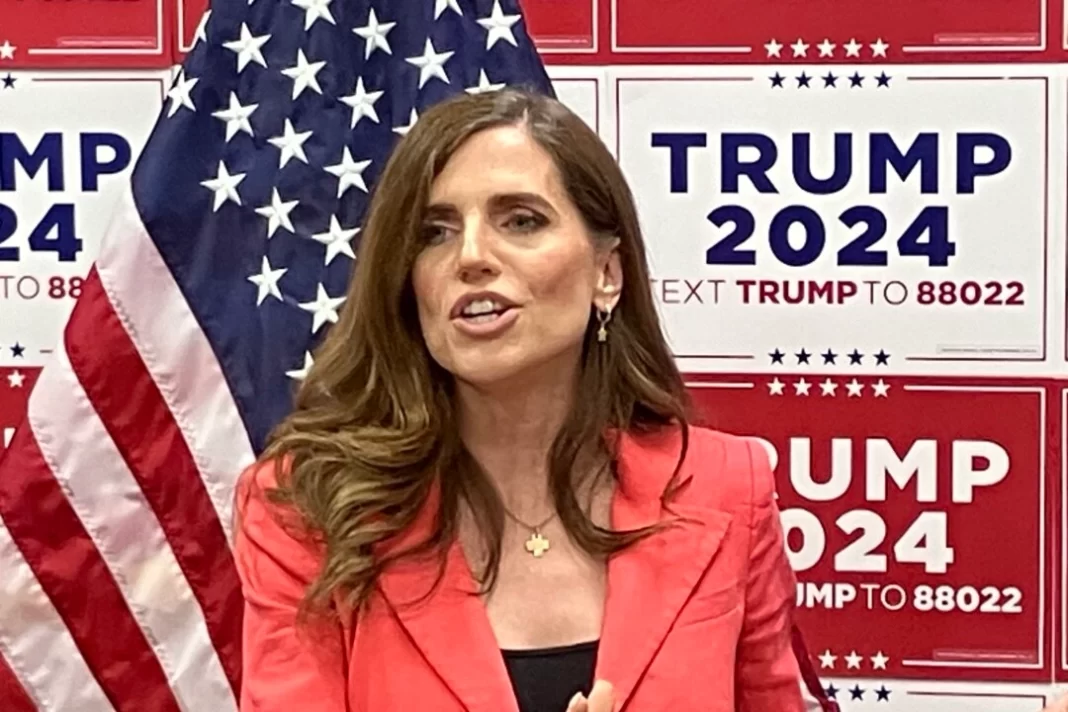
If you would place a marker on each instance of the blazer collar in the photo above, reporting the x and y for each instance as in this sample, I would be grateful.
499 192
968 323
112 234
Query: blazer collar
648 584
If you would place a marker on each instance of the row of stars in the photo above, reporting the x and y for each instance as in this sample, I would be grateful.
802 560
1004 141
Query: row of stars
882 694
856 358
854 388
804 81
826 48
853 660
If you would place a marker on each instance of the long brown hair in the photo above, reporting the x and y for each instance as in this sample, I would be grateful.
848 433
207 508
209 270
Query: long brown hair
373 425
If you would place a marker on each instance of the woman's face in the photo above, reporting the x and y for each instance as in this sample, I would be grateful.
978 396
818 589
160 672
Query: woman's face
509 273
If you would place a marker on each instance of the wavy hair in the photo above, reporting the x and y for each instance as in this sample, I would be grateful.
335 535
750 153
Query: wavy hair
373 427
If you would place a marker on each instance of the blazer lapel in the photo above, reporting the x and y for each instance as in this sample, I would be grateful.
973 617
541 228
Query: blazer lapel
450 628
649 583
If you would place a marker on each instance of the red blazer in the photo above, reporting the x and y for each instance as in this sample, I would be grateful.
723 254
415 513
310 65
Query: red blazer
697 618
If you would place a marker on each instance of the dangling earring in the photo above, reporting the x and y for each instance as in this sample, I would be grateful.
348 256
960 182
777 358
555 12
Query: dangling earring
603 317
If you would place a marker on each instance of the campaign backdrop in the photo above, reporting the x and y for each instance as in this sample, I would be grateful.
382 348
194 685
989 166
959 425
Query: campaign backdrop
856 223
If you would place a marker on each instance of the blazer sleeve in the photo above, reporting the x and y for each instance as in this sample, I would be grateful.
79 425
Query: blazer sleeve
285 666
768 677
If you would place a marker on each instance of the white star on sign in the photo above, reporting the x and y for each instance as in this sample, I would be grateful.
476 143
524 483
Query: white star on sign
236 117
881 388
441 6
827 660
362 103
431 63
853 661
338 240
277 213
854 388
879 661
16 379
826 48
323 309
878 48
828 388
484 84
774 48
291 143
801 387
303 74
403 130
301 373
7 50
499 26
315 10
225 186
267 281
248 48
374 35
775 387
852 48
349 173
800 48
180 94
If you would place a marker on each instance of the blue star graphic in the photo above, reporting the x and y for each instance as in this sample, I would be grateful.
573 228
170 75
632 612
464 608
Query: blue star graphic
857 692
883 694
856 80
802 357
17 350
884 81
829 80
803 80
832 692
9 81
882 358
776 356
776 80
855 357
829 357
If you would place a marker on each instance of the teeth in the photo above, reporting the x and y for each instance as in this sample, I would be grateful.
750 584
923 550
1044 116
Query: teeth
482 306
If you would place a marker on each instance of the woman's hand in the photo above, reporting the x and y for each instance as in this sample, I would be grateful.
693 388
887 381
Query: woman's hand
602 699
1060 705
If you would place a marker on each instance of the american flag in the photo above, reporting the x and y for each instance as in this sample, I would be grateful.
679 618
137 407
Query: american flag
224 264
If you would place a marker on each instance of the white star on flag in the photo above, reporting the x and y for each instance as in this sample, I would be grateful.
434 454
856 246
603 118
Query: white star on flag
775 388
881 388
774 48
801 387
291 143
7 50
236 117
826 48
302 373
441 6
879 661
374 35
852 48
248 48
277 213
180 94
323 309
800 48
349 173
853 661
827 660
338 240
16 378
878 48
499 26
484 84
225 186
267 282
412 118
303 74
854 388
828 388
315 10
362 103
201 35
431 63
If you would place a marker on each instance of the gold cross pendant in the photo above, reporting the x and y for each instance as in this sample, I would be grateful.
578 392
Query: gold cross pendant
537 544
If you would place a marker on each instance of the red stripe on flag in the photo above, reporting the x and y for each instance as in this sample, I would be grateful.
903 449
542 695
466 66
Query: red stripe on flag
808 673
13 697
143 429
77 581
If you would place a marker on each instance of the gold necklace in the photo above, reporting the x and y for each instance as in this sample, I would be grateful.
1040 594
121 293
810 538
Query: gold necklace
537 544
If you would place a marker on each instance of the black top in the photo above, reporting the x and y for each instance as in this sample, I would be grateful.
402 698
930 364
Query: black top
546 679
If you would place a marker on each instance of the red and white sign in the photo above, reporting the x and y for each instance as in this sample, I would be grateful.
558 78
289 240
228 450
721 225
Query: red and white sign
888 489
829 29
83 33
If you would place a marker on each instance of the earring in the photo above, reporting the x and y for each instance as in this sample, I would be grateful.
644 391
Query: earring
603 317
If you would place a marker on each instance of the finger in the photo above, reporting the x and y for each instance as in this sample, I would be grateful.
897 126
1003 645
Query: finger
602 697
577 703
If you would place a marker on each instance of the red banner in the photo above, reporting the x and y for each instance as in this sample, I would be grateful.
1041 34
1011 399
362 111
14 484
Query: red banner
888 488
562 25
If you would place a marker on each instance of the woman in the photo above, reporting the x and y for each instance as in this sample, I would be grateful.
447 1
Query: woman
487 496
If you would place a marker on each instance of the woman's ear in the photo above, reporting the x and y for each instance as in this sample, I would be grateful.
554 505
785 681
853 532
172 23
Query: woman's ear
609 278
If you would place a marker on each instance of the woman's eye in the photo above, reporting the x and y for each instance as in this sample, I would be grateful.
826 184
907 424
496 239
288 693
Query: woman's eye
434 233
525 222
